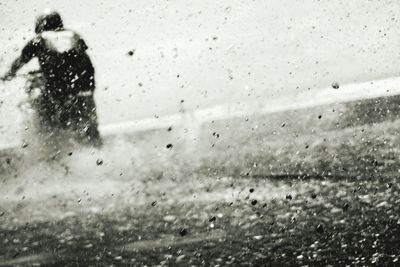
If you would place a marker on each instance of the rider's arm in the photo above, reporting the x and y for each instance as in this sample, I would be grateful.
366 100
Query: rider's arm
29 51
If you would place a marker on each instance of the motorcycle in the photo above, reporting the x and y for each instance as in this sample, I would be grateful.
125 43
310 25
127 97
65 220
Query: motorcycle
57 124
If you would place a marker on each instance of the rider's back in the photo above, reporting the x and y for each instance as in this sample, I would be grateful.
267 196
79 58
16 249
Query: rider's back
63 60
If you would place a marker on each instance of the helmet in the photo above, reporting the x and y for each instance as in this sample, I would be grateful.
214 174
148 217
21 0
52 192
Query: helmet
50 20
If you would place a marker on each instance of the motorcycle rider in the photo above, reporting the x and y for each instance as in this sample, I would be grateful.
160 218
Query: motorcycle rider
67 100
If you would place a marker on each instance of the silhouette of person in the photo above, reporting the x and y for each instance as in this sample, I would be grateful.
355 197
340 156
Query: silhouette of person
67 100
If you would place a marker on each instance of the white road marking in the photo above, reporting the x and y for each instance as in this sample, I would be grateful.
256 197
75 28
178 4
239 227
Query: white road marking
345 93
326 96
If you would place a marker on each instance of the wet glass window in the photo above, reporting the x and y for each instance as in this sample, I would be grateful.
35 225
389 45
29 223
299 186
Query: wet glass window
199 133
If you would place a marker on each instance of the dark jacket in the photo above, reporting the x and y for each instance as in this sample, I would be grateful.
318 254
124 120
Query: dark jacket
66 67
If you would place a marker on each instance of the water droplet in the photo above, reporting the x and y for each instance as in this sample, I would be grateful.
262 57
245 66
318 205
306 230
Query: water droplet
335 85
183 232
319 228
346 206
